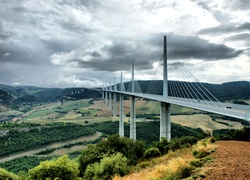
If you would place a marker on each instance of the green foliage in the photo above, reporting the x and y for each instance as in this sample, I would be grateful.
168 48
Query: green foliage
233 134
17 140
5 175
152 152
162 145
200 153
132 150
62 168
174 144
148 131
107 168
23 163
185 141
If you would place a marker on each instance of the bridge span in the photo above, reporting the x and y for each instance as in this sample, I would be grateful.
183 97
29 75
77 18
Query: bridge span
185 95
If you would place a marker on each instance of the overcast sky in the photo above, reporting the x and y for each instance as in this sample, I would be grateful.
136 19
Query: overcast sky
83 43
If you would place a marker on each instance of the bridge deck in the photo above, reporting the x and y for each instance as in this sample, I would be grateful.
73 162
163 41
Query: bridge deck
227 109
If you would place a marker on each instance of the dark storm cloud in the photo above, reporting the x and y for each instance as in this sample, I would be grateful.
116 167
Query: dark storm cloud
59 45
239 4
192 47
220 16
120 57
245 37
226 28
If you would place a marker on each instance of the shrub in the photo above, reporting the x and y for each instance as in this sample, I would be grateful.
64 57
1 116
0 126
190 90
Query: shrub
132 150
62 168
4 174
162 145
115 164
151 152
212 139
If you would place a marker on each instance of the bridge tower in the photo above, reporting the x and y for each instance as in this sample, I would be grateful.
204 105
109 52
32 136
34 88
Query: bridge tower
121 122
132 109
114 98
165 124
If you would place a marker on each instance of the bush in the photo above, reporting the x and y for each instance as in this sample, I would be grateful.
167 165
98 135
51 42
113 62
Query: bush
212 139
132 150
4 174
151 152
115 164
62 168
162 145
200 153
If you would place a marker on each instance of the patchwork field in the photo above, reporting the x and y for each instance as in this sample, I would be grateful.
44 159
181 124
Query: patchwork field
83 112
204 122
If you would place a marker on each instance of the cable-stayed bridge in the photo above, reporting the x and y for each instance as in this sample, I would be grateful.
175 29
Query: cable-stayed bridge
183 93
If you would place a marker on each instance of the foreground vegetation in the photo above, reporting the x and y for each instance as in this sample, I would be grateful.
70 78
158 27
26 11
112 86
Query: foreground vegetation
105 159
27 137
117 156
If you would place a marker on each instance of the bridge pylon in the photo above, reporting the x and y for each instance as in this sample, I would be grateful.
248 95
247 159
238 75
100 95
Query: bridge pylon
114 98
165 123
110 96
132 109
121 121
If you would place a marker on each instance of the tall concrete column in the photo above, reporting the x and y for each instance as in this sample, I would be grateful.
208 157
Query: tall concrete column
132 110
114 98
106 94
103 91
132 118
165 123
110 96
121 122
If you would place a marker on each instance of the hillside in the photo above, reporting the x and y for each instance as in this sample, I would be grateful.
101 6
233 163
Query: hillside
223 92
231 161
32 94
7 101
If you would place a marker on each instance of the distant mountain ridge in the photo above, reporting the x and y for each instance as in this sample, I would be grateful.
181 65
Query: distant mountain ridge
13 96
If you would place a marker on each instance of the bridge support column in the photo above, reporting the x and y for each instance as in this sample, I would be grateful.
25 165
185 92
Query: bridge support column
114 108
132 109
121 122
106 97
110 100
165 123
114 99
132 118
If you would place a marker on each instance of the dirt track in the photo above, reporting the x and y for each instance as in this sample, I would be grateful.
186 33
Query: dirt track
232 161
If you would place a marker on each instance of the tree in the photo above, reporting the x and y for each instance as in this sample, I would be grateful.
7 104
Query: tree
62 168
131 149
4 174
115 164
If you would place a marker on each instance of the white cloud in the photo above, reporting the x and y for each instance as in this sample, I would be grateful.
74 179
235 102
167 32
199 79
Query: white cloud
6 54
73 81
69 37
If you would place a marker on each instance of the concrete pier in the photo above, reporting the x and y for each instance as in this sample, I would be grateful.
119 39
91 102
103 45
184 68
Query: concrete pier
132 109
121 121
165 123
114 99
